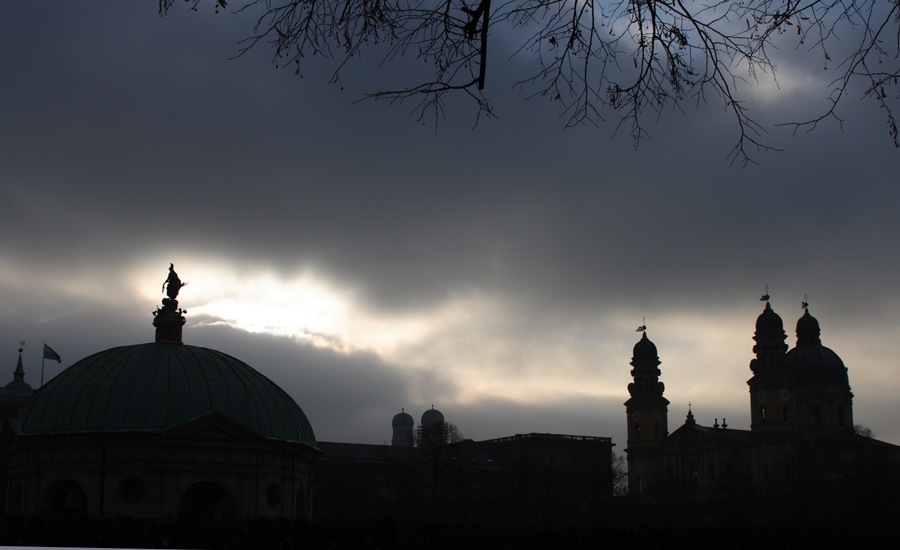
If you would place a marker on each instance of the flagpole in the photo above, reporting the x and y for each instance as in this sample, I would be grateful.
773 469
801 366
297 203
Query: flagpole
43 358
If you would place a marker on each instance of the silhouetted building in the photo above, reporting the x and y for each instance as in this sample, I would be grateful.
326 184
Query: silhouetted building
525 478
801 425
160 429
167 429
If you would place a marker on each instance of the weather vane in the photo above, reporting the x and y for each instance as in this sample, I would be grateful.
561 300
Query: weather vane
765 297
643 327
805 303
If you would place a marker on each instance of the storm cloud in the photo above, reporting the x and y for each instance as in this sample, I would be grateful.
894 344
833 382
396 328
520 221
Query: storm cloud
497 271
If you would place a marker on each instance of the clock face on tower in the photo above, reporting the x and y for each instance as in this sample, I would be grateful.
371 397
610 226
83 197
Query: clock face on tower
785 394
636 415
761 395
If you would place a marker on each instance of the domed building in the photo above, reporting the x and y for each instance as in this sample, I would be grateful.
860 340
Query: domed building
801 423
161 429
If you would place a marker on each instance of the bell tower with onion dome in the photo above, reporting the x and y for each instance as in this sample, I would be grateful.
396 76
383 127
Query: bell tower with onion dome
772 382
647 417
772 401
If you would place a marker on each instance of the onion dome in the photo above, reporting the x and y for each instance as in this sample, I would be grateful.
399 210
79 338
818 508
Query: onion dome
769 322
646 369
812 362
769 337
402 420
808 331
402 425
644 351
157 386
432 417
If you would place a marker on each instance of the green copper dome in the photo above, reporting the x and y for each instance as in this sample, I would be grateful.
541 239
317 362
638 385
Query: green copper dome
157 386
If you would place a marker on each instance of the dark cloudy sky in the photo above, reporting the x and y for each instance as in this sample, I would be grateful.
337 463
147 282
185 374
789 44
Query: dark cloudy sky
367 262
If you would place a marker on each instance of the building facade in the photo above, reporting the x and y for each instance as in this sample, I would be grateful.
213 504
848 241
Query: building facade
801 424
159 429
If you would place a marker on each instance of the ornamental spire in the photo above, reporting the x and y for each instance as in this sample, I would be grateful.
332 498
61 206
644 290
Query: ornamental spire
19 382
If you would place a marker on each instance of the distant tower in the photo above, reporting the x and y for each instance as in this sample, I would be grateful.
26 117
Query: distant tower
16 393
431 417
772 382
432 427
403 430
772 400
19 382
647 413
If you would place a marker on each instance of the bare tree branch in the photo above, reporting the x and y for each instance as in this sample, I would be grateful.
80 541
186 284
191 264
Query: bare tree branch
630 57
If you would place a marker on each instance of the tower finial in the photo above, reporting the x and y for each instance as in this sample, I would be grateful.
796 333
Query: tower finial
805 303
169 319
765 297
689 419
643 327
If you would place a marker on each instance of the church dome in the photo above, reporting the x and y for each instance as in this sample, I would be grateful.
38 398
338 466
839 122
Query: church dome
812 362
153 387
402 419
431 417
808 331
769 322
644 349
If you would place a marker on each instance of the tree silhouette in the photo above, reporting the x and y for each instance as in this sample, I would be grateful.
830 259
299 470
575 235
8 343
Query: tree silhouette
635 58
435 444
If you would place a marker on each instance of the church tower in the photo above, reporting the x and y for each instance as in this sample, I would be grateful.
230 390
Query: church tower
647 413
772 400
403 424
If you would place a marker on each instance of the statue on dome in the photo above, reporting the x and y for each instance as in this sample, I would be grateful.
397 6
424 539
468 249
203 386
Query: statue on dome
173 282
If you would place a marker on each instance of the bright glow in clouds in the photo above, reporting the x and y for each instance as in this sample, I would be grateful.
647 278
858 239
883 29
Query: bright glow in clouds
308 308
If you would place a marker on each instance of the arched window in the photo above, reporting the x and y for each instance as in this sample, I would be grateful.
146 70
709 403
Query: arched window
762 414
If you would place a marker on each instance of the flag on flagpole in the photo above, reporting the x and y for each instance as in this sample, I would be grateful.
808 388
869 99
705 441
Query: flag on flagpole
50 354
